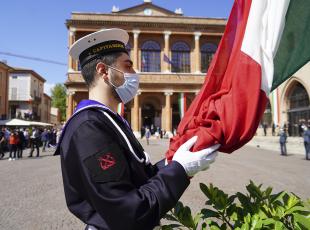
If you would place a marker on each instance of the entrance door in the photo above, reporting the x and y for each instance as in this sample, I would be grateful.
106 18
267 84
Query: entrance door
148 115
299 110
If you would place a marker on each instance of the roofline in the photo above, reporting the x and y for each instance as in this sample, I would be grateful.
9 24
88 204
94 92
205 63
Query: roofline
35 74
6 66
152 16
146 3
46 95
143 21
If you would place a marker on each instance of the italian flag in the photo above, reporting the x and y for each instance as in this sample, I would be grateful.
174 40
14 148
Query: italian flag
264 43
120 109
182 104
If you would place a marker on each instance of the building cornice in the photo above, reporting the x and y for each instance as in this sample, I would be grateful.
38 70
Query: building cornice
79 19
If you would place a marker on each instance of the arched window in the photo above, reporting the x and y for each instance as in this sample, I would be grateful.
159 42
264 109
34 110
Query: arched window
181 58
299 97
207 52
299 110
150 57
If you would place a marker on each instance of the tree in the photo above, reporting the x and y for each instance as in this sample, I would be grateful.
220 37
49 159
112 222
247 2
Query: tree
59 99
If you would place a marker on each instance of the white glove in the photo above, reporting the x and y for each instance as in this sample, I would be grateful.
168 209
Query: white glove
193 162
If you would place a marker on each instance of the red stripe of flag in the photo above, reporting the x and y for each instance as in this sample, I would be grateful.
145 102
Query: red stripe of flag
231 103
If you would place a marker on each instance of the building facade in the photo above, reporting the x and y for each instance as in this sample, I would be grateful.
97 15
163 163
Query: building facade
170 51
289 105
25 94
4 86
46 108
55 116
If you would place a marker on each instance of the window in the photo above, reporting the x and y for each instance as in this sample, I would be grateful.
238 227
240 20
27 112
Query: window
299 97
14 93
150 57
181 58
207 52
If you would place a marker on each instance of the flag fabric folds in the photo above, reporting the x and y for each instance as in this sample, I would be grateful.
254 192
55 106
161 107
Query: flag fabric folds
264 43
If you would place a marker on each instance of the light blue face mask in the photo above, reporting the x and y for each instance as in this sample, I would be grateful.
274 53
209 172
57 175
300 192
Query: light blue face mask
129 89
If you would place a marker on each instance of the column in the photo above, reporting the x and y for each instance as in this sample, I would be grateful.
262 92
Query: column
197 52
135 116
135 49
72 31
70 104
168 114
166 65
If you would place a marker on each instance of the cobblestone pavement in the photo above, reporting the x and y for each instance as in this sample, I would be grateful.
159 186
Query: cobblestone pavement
32 194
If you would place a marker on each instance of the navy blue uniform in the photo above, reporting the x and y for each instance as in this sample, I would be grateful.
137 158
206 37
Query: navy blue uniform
105 184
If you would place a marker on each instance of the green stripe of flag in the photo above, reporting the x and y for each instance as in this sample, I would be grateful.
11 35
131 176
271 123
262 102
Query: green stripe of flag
294 47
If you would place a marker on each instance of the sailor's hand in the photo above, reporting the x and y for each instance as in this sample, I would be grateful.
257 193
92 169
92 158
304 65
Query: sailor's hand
193 162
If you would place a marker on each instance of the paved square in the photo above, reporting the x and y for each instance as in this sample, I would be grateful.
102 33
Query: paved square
32 194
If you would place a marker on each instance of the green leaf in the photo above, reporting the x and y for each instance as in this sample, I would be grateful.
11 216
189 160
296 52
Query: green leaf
170 226
204 226
278 225
204 188
304 221
185 218
277 196
245 202
254 190
295 209
197 219
170 217
207 213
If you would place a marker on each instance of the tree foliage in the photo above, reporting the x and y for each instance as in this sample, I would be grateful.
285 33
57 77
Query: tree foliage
59 99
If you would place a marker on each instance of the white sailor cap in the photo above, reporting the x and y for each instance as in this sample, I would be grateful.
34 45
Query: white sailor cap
99 43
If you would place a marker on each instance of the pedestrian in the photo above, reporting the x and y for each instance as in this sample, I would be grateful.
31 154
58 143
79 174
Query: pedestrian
26 135
2 142
283 138
265 129
35 142
307 142
273 130
44 139
21 143
147 135
13 141
108 180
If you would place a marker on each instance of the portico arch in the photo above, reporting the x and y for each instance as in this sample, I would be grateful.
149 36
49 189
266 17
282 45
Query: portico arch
297 104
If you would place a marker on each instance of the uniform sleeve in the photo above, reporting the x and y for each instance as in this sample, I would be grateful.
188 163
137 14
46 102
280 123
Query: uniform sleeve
105 181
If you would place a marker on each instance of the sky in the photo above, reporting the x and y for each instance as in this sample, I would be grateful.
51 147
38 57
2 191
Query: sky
36 28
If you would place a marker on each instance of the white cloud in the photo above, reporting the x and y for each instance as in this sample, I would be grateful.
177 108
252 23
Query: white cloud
47 88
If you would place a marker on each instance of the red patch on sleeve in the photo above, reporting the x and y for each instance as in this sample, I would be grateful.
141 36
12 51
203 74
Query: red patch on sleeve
106 161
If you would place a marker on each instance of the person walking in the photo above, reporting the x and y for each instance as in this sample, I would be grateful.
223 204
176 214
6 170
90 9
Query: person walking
21 143
306 136
2 142
147 135
44 139
35 142
283 138
109 182
13 141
